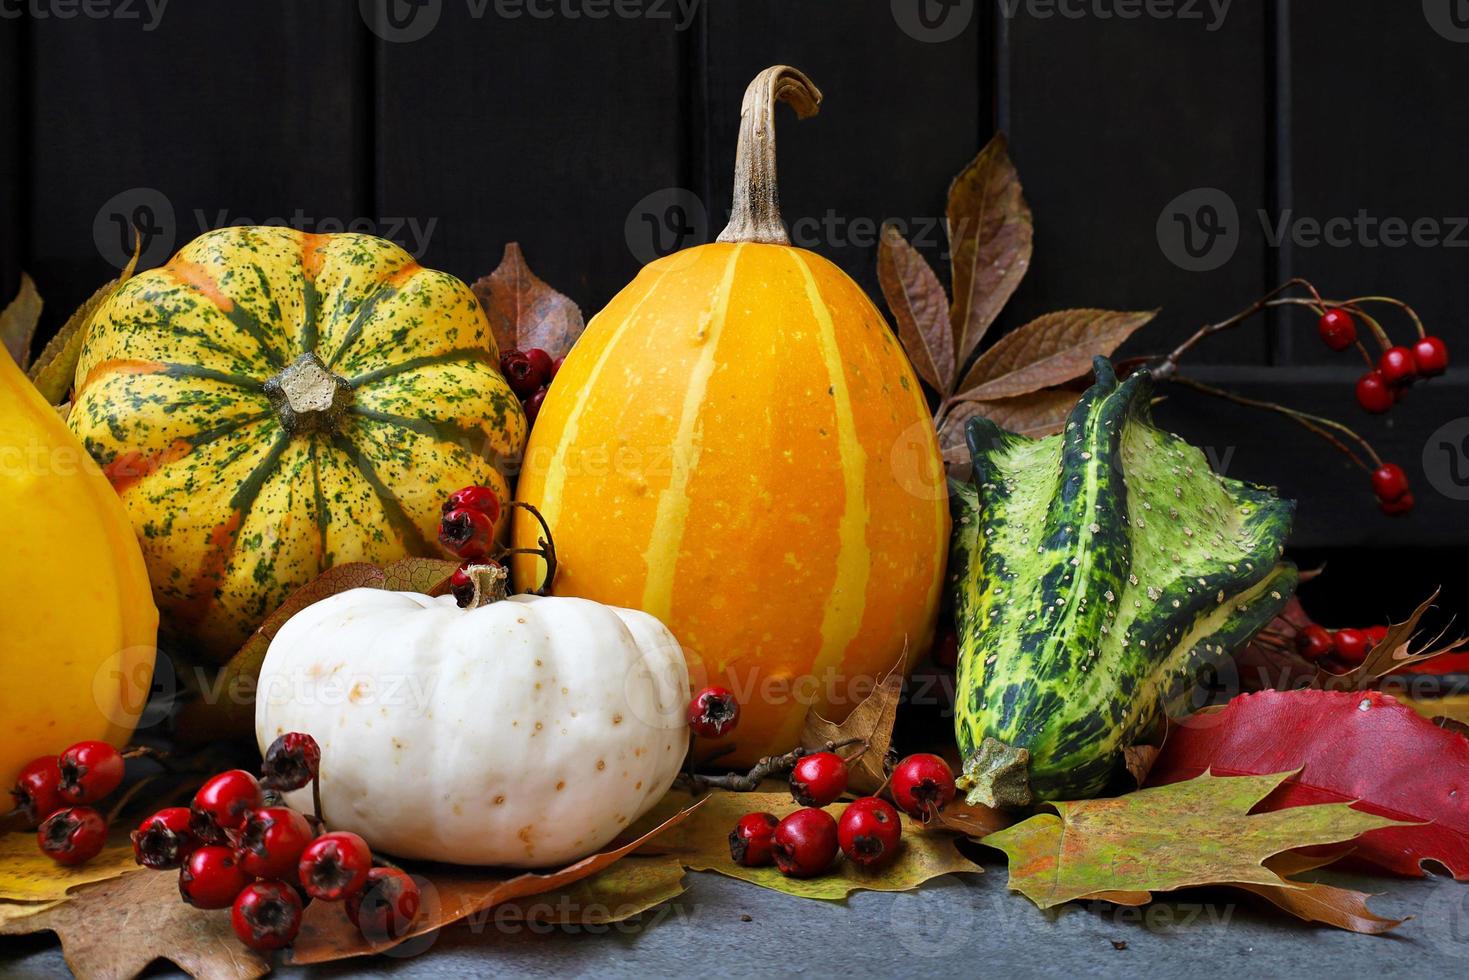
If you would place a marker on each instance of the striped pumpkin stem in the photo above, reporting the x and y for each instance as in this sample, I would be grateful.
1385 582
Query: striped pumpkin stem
756 213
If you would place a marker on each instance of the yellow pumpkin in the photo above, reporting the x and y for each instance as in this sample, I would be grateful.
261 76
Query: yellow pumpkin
272 403
79 627
739 446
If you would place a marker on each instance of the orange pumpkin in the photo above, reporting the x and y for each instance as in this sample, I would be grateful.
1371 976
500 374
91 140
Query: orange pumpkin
739 446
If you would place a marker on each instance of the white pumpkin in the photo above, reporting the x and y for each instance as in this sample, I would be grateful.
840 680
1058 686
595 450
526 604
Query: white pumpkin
527 732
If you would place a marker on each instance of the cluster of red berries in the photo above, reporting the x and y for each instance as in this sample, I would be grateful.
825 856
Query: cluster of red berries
1347 646
56 794
1397 367
530 373
467 531
805 843
236 847
1390 484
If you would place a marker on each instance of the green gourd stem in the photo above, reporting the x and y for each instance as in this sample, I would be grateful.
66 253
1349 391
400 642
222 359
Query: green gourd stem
756 213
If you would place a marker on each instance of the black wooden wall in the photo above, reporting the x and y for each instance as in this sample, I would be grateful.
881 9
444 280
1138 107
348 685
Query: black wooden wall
598 132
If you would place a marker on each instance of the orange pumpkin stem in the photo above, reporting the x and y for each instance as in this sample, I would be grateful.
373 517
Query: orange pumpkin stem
756 214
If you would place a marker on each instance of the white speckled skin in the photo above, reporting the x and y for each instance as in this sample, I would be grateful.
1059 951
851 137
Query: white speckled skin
526 733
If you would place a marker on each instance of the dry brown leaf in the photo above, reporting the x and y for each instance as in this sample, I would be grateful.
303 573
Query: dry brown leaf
208 719
523 311
453 893
1315 902
53 372
115 929
1049 350
18 321
920 308
703 845
990 235
1035 414
872 720
1391 653
973 819
628 888
1139 760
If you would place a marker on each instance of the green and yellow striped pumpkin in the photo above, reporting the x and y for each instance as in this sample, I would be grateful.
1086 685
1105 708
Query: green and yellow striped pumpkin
272 403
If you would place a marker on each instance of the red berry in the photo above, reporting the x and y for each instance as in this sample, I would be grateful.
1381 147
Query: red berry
819 779
533 405
72 835
541 361
805 843
1352 645
266 915
386 906
1396 366
922 785
222 804
475 498
89 771
1389 482
1430 357
1377 633
1338 330
467 533
524 374
556 367
291 762
164 840
869 831
36 790
1314 642
211 877
335 866
713 712
271 841
751 841
1402 505
1373 393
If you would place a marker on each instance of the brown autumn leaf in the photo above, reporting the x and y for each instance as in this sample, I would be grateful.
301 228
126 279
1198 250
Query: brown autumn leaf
871 720
523 311
115 929
990 236
1049 350
1317 902
920 308
973 819
452 893
1035 414
1392 652
215 717
18 321
702 844
1139 760
1200 833
53 372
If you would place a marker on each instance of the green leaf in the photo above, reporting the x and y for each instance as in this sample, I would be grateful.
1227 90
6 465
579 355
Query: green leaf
1183 835
18 321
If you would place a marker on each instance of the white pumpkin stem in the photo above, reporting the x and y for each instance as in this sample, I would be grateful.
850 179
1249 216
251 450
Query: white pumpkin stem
756 214
491 584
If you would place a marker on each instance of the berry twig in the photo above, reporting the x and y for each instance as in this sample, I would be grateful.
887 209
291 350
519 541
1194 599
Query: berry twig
748 782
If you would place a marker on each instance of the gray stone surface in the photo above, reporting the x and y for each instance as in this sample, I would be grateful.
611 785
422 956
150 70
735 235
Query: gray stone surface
962 926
